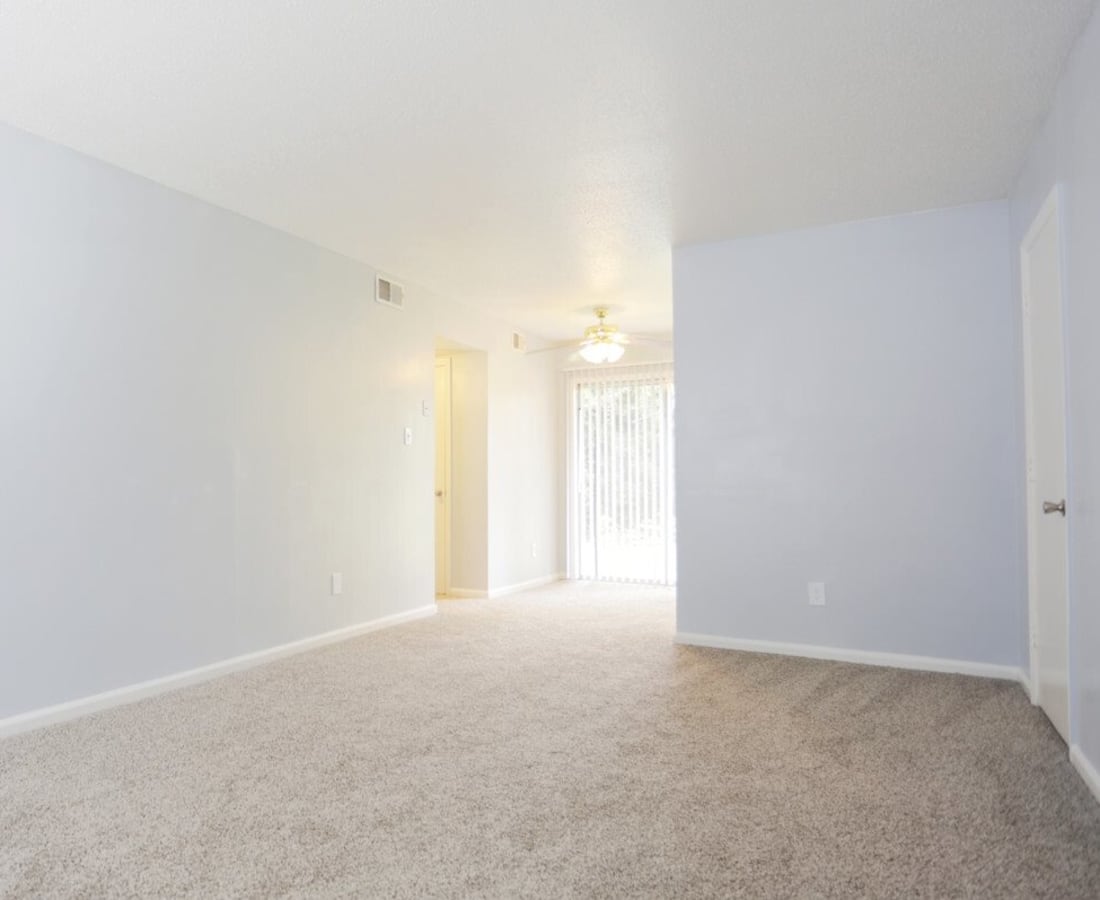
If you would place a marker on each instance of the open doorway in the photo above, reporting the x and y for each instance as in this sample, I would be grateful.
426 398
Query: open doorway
461 471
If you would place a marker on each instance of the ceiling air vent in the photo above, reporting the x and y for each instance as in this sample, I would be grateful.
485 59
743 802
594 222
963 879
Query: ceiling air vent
519 342
389 292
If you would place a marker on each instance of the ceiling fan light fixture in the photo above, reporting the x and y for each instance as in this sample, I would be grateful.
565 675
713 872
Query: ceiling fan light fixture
602 351
602 343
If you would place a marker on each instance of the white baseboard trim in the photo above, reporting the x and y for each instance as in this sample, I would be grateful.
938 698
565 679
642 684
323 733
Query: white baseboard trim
473 594
862 657
74 709
1085 769
525 585
1025 682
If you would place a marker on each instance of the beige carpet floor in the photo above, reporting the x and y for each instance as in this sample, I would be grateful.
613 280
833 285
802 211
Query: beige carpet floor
552 744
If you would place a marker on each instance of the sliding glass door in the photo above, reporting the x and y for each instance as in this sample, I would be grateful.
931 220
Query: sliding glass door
622 520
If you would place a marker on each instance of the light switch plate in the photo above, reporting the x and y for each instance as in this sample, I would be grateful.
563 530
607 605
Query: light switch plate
408 436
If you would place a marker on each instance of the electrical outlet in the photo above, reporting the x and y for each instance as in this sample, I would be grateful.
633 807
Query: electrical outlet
534 549
816 591
337 584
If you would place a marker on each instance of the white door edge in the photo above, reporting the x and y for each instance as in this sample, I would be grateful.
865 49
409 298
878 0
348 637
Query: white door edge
443 416
1051 207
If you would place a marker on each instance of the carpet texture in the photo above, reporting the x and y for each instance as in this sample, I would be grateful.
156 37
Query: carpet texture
552 744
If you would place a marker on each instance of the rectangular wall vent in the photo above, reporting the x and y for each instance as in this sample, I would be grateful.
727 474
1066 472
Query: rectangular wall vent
389 292
519 342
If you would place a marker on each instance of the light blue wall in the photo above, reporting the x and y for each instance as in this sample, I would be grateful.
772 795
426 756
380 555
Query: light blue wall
848 402
1067 152
202 418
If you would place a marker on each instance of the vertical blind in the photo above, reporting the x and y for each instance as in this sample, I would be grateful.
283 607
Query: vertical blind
622 520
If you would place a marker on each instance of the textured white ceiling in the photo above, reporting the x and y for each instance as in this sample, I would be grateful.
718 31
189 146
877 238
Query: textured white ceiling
540 158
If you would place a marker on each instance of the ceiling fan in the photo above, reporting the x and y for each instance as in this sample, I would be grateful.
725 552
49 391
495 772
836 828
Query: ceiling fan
603 342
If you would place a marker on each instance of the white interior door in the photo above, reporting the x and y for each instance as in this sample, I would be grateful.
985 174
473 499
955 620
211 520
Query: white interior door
442 476
1044 350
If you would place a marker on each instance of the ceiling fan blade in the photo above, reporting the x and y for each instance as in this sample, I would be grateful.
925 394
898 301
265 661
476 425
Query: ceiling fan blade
649 339
550 347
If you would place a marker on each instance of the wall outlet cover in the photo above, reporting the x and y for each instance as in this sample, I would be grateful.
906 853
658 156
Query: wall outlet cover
816 591
337 584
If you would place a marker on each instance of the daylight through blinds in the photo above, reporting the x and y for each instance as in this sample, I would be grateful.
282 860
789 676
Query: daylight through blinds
622 507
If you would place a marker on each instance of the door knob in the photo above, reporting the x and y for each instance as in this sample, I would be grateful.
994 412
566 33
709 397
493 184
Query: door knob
439 493
1049 507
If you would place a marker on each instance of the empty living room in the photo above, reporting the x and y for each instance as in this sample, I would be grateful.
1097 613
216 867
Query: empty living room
592 449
